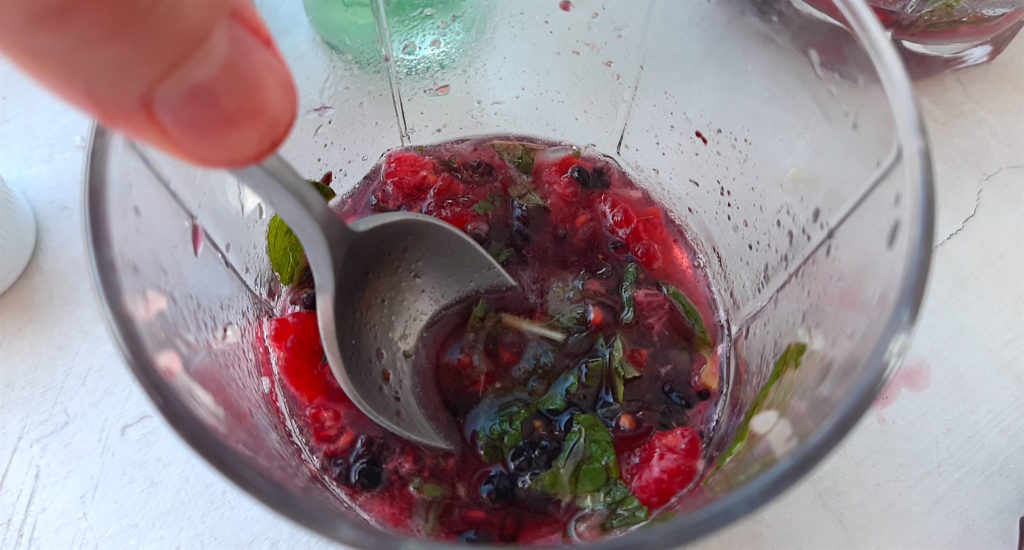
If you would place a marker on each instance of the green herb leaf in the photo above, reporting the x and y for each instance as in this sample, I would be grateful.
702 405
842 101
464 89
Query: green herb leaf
622 369
500 252
691 314
586 463
498 426
789 360
580 380
573 320
519 155
525 195
482 207
427 490
624 510
325 190
287 257
626 290
587 471
478 317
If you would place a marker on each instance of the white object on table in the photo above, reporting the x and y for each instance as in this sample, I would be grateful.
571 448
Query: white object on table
87 462
17 234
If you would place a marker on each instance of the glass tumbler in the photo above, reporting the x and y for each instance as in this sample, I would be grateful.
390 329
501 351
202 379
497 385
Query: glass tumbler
936 35
790 150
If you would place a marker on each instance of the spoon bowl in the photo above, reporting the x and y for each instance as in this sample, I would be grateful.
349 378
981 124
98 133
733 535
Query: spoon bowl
380 282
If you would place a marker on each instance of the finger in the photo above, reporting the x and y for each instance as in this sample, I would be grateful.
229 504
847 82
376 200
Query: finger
200 79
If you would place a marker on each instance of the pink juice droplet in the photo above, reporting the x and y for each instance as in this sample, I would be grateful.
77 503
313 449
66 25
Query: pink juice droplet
565 5
197 238
443 90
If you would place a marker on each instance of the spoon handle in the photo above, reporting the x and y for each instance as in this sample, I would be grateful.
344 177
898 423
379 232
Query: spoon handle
323 235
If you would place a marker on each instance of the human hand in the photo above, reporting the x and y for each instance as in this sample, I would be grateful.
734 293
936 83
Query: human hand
200 79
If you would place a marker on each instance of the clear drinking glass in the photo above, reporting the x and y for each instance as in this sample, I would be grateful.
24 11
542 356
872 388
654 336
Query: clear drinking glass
935 35
789 148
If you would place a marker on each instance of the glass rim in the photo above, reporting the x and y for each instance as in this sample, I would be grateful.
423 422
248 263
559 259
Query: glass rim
914 151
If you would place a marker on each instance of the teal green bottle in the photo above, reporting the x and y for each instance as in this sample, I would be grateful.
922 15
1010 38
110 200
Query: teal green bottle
419 29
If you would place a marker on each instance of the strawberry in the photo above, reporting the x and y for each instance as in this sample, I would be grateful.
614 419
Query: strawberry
662 466
447 187
410 173
550 175
455 213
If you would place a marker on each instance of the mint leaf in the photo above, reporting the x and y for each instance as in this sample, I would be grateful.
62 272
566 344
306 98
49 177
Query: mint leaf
626 290
525 195
498 427
622 369
586 463
478 317
500 252
788 360
518 155
427 490
287 257
482 207
691 314
624 510
577 382
325 191
573 320
587 471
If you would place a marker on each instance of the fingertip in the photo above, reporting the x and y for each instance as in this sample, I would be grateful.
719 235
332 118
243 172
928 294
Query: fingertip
232 102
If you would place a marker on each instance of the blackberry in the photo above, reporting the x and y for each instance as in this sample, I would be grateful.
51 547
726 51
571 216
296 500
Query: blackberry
677 397
366 474
498 488
533 456
581 176
473 536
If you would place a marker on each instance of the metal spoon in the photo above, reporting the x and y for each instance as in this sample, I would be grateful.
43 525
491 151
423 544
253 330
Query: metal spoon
380 281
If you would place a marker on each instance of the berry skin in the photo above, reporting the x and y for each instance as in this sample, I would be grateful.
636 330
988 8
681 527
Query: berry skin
295 340
498 488
366 474
662 466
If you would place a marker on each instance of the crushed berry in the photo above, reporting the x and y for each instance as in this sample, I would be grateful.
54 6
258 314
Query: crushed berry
560 408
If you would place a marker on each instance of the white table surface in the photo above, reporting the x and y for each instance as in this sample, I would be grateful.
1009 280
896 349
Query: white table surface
86 460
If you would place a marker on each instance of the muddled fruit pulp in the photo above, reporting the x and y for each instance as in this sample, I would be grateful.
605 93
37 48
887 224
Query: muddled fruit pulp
583 406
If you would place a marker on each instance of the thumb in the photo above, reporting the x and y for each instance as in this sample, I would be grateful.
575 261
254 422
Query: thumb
200 79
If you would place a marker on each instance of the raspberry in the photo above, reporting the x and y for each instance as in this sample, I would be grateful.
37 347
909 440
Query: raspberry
638 357
665 464
617 216
295 340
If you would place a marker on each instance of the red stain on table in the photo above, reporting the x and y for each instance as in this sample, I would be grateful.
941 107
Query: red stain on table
565 5
913 376
701 137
